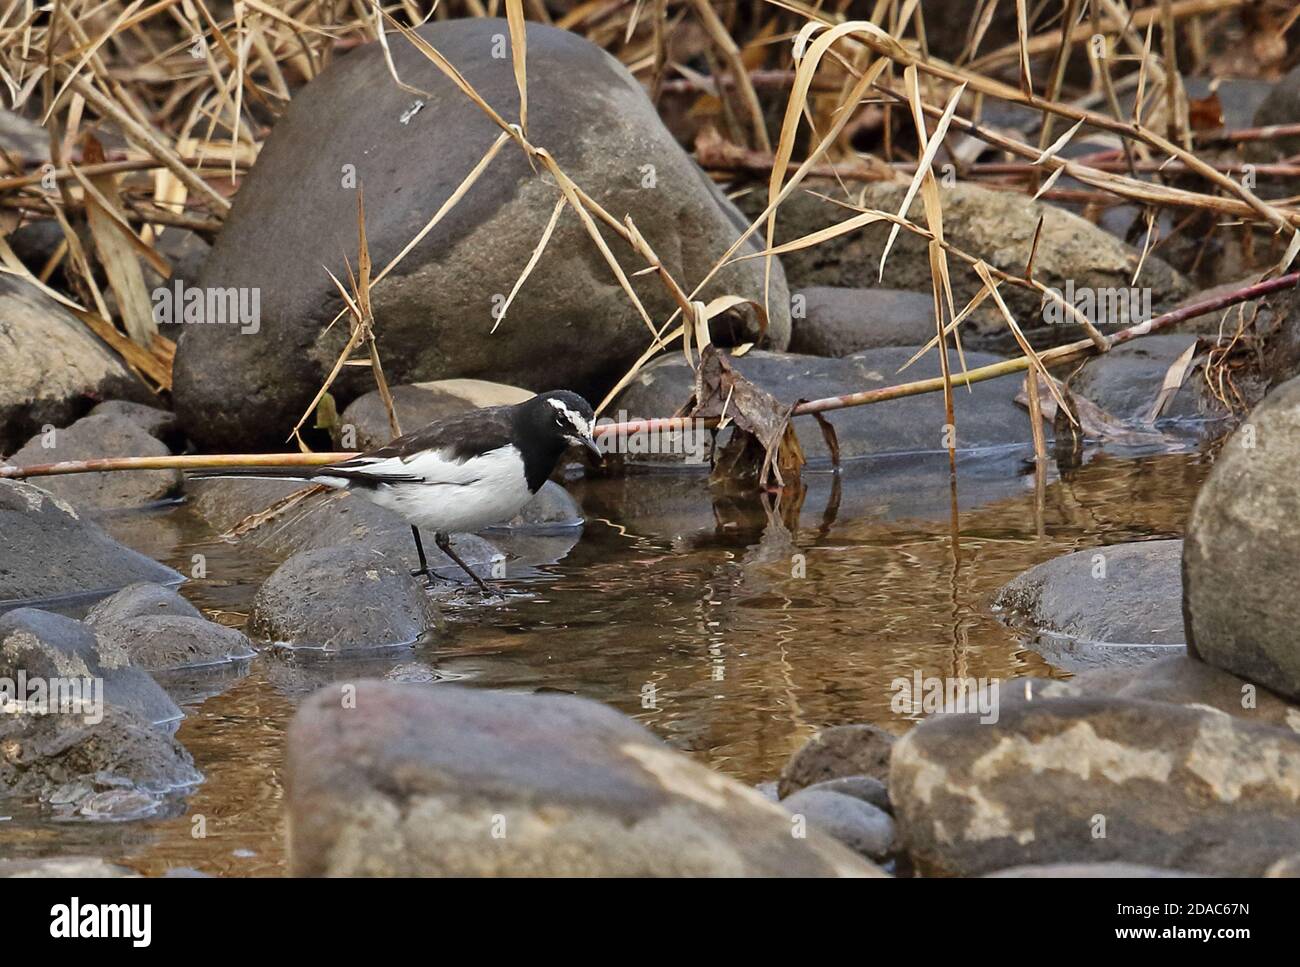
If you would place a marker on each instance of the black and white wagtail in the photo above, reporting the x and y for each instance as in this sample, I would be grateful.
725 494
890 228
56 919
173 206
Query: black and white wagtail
463 473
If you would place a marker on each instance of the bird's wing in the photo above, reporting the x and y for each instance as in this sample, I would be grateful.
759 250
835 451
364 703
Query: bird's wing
436 454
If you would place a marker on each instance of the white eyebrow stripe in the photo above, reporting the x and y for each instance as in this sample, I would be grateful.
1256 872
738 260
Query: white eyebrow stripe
575 418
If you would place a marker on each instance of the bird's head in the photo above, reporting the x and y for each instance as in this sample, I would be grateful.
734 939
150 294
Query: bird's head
569 416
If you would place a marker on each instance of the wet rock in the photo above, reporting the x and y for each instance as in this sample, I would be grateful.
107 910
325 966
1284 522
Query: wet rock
438 309
49 551
157 423
840 322
447 781
75 867
414 673
101 436
862 827
1282 106
1118 604
867 788
168 643
1090 871
119 768
341 599
140 600
1086 780
52 369
842 750
544 532
999 226
551 509
161 631
49 646
1243 550
417 405
1177 678
1126 381
986 417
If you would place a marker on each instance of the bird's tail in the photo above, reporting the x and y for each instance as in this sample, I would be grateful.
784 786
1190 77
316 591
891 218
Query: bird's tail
307 475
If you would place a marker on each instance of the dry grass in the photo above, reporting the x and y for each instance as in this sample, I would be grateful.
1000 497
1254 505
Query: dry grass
192 86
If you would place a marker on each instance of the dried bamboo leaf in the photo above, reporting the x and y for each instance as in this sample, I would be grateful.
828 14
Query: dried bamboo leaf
532 259
983 271
922 168
1173 381
519 57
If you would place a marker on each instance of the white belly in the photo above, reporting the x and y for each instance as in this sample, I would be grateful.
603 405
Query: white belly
457 497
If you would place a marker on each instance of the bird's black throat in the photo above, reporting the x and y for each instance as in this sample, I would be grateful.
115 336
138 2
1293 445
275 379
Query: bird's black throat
538 445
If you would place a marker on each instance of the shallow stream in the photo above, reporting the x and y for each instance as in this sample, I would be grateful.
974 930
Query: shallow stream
731 631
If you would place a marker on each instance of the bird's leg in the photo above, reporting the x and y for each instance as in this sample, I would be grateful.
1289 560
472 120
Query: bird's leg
419 549
444 545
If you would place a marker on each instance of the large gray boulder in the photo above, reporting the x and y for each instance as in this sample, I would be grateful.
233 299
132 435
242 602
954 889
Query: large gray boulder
364 424
103 435
411 780
571 324
1087 780
1178 679
52 368
50 551
996 226
1242 550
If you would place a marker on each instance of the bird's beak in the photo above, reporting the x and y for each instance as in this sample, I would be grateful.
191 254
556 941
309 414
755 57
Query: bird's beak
597 453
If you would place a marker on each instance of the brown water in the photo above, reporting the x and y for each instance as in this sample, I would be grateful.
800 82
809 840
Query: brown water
752 628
